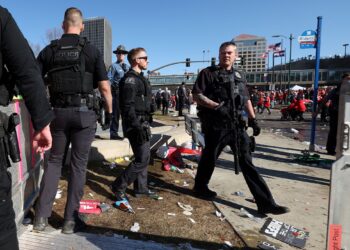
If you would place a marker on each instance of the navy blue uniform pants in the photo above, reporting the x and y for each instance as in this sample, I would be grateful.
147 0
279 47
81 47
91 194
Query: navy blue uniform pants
76 126
8 231
215 141
332 134
136 172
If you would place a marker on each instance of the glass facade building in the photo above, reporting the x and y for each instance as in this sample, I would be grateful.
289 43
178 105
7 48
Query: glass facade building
99 32
251 48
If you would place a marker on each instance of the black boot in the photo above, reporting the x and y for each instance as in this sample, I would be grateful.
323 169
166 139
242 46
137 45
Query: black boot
39 224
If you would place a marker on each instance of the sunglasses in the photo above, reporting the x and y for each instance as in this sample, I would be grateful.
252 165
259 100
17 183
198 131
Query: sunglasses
143 57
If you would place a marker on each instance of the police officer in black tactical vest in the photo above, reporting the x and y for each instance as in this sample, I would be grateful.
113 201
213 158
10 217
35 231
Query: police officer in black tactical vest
17 60
221 95
136 111
73 69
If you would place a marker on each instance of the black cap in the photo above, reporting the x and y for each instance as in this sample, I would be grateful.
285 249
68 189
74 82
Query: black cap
120 50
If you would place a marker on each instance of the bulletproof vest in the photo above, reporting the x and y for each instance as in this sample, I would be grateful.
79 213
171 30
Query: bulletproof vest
143 92
67 75
225 83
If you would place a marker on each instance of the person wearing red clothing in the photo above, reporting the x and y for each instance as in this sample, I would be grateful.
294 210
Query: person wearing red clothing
300 108
260 103
266 104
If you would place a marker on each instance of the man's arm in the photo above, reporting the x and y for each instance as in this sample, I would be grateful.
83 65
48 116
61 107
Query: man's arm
20 60
250 109
105 89
204 101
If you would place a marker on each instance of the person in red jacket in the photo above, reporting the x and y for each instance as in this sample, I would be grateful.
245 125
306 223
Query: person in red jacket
300 108
266 104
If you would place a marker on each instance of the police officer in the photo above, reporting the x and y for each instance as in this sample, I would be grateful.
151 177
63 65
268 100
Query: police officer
182 97
135 106
18 57
165 101
213 93
115 74
332 101
74 69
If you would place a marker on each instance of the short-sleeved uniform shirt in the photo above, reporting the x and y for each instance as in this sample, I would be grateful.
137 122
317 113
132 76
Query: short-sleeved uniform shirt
93 59
205 83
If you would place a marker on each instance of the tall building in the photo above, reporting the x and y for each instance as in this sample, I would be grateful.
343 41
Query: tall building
251 49
99 33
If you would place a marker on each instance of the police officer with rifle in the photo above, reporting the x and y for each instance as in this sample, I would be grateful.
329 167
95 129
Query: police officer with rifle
73 69
17 60
136 111
222 96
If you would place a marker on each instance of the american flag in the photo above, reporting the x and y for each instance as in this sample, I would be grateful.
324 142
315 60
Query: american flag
274 47
279 53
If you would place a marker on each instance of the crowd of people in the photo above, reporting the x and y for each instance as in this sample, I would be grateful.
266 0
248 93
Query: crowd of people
297 102
181 99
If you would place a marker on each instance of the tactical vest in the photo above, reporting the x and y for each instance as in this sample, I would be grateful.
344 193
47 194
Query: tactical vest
143 93
220 90
67 75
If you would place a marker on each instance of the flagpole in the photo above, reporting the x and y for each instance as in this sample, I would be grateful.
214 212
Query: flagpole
273 69
281 64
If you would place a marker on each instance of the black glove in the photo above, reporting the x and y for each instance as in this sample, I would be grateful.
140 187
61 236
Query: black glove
108 120
253 123
223 110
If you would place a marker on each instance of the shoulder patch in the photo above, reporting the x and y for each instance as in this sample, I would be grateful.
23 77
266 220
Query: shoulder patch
238 75
130 80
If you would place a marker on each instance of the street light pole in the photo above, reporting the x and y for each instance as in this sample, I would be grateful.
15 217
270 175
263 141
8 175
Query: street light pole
345 45
290 61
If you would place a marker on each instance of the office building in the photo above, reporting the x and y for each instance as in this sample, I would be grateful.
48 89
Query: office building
99 33
251 49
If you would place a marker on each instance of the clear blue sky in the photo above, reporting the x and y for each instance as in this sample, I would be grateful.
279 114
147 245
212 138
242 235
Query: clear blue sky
174 30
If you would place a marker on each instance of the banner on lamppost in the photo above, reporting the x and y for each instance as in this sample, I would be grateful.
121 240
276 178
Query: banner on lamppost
308 39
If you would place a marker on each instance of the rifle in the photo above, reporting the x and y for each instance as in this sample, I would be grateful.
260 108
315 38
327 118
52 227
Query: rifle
234 91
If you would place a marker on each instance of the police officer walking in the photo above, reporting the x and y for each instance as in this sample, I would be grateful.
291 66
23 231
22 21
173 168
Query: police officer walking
135 106
16 54
165 101
221 93
182 97
115 74
74 69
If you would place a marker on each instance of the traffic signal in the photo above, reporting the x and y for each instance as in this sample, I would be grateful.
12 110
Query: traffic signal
213 60
188 62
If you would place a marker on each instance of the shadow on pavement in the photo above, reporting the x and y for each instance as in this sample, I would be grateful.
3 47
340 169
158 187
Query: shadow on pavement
228 164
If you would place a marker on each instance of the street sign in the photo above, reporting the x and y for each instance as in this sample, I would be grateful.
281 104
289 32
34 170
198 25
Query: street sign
308 39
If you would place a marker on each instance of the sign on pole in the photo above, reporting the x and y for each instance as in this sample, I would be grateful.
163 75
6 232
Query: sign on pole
308 39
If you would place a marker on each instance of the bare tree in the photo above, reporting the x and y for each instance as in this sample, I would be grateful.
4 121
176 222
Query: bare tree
35 47
52 34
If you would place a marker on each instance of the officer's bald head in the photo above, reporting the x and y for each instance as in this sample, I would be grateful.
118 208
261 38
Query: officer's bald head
73 17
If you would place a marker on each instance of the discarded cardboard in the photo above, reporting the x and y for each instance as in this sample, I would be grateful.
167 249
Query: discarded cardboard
285 233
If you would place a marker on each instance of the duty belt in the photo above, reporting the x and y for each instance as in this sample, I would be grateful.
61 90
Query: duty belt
69 101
